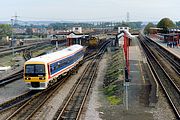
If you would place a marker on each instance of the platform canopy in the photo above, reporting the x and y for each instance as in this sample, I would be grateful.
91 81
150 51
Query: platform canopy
73 35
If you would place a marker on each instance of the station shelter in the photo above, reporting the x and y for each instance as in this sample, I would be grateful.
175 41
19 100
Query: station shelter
173 37
74 38
155 30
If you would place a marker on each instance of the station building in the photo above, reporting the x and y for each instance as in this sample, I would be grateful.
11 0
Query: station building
172 36
74 38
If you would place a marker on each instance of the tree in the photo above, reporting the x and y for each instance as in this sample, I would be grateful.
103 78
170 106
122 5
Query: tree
5 30
124 24
147 28
29 31
166 24
178 24
135 25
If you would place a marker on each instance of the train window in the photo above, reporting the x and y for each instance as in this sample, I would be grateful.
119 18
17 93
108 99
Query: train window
39 69
35 69
62 63
65 62
29 69
51 69
59 65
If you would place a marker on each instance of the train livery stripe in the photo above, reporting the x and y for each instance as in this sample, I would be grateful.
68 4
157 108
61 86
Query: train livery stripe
65 56
49 64
68 67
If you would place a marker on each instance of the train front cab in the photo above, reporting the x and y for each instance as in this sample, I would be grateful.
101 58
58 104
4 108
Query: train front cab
36 75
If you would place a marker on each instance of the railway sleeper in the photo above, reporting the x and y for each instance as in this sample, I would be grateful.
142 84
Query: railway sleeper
74 108
69 116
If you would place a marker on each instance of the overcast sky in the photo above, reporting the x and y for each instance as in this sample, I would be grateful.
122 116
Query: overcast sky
91 10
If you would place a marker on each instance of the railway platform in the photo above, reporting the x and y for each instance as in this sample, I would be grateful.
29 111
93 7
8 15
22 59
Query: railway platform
174 50
141 91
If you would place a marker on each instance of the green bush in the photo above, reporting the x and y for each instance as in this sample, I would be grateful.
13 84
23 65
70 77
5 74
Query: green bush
114 100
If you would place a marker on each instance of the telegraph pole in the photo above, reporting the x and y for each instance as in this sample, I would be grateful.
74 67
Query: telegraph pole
12 36
127 17
14 21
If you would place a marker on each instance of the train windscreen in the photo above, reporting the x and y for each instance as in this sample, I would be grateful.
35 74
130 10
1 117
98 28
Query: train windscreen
35 70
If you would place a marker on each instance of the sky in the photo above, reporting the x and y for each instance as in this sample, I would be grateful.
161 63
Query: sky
90 10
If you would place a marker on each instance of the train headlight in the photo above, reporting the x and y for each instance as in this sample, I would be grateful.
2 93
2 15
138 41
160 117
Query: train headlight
27 78
43 78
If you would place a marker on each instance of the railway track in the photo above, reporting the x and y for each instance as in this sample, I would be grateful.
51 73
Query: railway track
11 78
168 85
29 107
170 65
74 103
30 98
21 48
173 60
29 102
17 100
17 75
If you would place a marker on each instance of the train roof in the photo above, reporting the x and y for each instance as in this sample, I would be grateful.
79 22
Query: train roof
56 55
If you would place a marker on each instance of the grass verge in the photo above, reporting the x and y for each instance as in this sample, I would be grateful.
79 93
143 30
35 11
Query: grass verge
113 82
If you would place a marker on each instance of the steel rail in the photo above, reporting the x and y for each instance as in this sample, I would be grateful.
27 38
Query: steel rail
86 81
169 87
41 97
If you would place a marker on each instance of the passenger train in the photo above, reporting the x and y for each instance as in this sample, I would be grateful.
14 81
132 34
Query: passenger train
40 71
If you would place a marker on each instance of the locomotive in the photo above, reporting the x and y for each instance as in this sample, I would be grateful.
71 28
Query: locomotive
40 71
93 42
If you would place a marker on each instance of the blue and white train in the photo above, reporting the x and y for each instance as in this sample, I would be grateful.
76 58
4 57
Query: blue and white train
40 71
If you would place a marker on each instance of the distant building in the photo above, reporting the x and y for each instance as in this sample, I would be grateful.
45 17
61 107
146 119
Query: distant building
122 29
77 29
50 31
174 30
39 30
19 30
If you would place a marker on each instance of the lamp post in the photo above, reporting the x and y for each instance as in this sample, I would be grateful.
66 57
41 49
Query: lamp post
12 37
